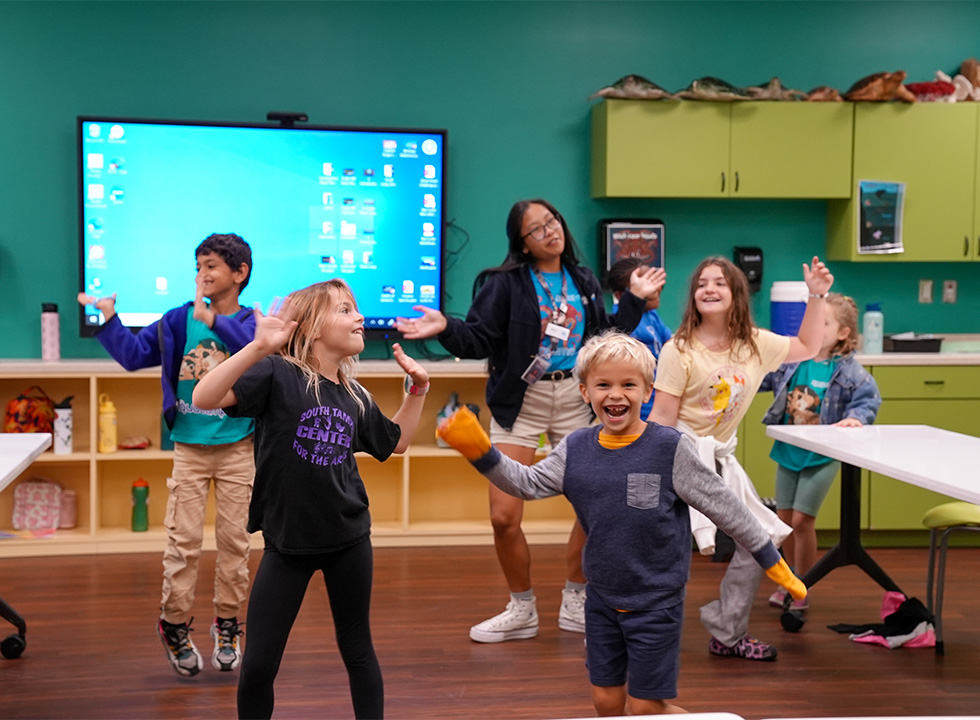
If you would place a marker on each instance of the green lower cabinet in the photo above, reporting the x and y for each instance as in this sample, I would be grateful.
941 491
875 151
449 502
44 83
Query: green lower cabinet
944 397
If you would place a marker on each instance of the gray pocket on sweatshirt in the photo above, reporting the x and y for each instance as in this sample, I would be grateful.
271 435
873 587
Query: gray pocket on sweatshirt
643 490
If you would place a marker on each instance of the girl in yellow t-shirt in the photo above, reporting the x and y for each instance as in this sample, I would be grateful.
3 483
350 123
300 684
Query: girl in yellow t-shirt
707 376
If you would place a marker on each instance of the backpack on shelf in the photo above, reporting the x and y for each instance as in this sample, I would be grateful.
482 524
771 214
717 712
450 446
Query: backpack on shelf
37 505
31 411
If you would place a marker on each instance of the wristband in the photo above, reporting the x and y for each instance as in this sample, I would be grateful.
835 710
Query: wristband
412 389
817 295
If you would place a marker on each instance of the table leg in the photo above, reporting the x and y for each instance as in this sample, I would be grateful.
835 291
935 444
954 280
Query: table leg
849 551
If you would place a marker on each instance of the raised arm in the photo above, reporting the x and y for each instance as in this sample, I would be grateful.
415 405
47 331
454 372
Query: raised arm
807 343
271 332
407 417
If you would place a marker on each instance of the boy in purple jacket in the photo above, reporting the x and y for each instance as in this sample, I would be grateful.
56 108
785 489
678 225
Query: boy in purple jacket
208 445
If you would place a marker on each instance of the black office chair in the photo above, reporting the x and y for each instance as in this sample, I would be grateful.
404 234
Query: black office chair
13 645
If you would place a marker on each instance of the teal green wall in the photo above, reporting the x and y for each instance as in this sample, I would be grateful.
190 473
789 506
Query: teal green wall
508 79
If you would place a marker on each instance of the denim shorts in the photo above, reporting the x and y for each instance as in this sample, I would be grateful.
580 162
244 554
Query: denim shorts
640 649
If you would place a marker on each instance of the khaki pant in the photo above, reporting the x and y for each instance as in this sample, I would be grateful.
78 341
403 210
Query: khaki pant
232 468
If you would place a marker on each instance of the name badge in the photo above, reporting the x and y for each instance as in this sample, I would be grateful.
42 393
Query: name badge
557 331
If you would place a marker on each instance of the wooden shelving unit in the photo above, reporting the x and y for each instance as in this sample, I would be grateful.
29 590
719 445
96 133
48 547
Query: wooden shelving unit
428 496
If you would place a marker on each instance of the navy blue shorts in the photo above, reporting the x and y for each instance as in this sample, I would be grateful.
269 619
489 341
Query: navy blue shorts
639 649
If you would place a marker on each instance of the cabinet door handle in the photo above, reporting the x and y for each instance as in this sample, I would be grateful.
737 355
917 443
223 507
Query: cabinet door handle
966 246
723 181
933 382
736 181
978 245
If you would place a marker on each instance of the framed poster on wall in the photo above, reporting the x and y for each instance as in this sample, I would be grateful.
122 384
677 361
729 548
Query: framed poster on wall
643 239
880 230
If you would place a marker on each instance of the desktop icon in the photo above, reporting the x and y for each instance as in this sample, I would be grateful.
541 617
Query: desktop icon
428 230
96 191
408 287
328 169
429 201
95 161
116 132
430 147
429 172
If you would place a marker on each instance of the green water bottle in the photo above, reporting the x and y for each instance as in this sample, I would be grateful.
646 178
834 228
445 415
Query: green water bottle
141 496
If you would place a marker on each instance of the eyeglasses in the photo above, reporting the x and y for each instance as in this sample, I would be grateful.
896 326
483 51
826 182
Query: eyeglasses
539 233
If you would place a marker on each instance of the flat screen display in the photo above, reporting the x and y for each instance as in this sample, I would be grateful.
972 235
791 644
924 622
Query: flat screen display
314 203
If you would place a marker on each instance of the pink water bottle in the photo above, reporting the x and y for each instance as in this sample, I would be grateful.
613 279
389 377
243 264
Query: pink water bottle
50 332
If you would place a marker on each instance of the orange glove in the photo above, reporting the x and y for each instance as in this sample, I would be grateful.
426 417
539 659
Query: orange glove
781 574
463 431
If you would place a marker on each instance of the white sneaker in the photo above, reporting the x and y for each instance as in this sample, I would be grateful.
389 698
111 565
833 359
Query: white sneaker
571 617
518 622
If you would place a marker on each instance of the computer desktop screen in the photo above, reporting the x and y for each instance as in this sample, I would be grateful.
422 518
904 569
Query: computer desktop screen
362 204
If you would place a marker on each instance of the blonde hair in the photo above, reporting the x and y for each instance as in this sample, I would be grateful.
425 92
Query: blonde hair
846 312
614 346
311 306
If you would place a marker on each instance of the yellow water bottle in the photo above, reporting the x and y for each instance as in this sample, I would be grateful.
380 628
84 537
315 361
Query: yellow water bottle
107 425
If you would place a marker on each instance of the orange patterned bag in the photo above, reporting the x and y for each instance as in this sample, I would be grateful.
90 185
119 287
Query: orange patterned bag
31 411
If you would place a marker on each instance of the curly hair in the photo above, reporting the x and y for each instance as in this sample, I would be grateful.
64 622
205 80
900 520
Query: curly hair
232 249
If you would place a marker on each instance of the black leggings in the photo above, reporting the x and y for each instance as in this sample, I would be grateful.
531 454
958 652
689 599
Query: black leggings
277 594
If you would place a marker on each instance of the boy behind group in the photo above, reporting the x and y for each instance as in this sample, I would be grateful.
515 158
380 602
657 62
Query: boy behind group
187 342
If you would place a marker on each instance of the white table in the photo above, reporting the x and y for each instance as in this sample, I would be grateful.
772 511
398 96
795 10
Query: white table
921 455
17 452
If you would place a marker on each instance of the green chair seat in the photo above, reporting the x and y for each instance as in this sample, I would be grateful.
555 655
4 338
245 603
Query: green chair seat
950 514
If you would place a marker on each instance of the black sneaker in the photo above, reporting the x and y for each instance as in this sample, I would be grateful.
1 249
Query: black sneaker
225 633
181 653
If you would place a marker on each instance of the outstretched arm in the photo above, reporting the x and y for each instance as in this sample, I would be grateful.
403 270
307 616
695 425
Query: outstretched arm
705 491
543 479
271 333
407 417
106 305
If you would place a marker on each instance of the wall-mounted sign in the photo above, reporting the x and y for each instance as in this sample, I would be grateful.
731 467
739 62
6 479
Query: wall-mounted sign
880 229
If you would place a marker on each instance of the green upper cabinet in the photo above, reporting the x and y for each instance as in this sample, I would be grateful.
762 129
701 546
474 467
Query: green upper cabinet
932 148
752 149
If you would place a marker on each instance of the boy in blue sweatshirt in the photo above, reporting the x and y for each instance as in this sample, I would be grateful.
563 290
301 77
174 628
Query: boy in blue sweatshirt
208 445
631 483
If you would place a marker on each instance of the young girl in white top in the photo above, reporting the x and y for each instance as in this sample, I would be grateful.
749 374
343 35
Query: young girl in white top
296 379
706 379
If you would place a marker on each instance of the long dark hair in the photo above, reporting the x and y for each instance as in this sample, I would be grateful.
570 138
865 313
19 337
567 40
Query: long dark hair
516 257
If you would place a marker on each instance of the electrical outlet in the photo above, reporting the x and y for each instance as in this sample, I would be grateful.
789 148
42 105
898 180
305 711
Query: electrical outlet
925 291
949 291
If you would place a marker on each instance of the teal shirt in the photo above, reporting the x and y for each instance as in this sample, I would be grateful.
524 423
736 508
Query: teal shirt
203 351
806 392
563 357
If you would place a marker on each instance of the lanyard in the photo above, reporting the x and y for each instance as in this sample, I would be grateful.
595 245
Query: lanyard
559 309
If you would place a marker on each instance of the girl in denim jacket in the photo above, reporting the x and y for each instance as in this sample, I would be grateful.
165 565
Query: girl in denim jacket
831 389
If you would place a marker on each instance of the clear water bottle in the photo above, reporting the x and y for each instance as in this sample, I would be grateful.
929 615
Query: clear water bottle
873 330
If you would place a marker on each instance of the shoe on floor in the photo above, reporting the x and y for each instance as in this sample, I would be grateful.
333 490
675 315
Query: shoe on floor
571 617
777 598
181 653
226 654
518 622
747 647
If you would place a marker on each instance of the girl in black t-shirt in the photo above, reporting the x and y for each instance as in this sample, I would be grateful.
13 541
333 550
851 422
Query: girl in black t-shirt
296 379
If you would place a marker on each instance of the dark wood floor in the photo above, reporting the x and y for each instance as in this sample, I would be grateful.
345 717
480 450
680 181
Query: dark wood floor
93 653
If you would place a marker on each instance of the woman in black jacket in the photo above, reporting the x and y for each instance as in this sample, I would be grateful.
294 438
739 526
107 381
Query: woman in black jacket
529 317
